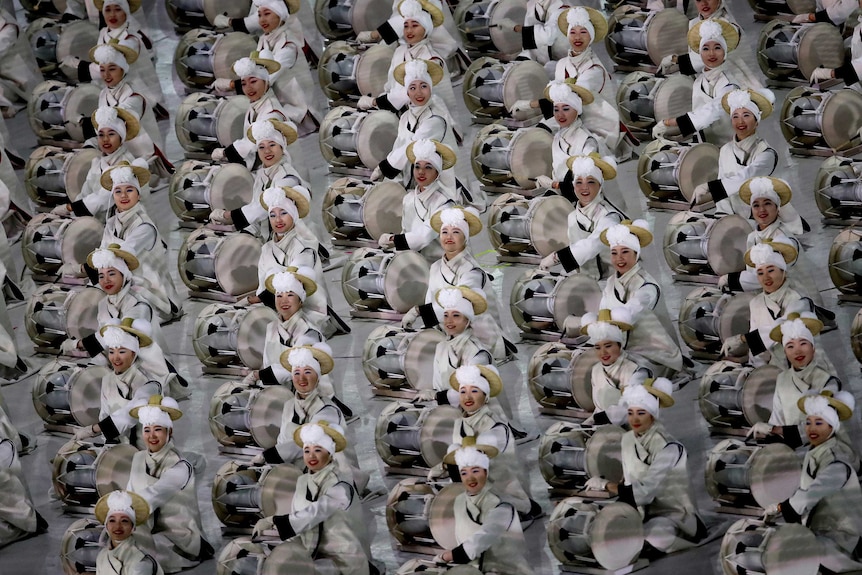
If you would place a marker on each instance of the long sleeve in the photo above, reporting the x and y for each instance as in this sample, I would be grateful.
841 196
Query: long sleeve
494 525
828 481
140 239
8 36
706 114
172 480
118 422
433 128
648 487
763 164
339 497
285 55
285 446
834 11
580 252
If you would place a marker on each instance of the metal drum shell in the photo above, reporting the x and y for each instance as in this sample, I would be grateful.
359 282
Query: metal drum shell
567 295
754 387
602 447
768 474
723 244
235 256
79 307
361 16
838 116
671 98
577 363
417 358
528 156
380 208
229 114
79 546
84 385
491 38
729 313
261 406
856 336
111 467
229 188
404 489
370 69
818 44
250 326
225 48
374 134
547 217
274 485
665 34
76 38
403 284
841 270
518 80
433 433
695 164
81 99
789 549
835 170
76 165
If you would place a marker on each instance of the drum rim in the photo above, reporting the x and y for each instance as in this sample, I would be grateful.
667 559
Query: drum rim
506 41
511 91
581 381
739 300
582 285
829 116
360 66
441 415
374 203
77 411
219 255
716 252
657 52
603 438
518 154
441 515
797 533
414 351
545 237
258 420
226 172
686 177
121 455
377 119
768 373
809 52
401 261
245 337
616 556
763 463
269 480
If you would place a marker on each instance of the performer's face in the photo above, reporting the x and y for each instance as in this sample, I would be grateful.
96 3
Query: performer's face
623 258
315 457
587 188
712 54
799 352
414 32
424 173
280 220
579 39
121 359
110 280
254 88
114 16
109 141
817 430
744 123
268 20
707 8
126 197
564 114
770 277
474 479
454 322
608 351
471 398
419 92
119 526
640 420
269 152
452 239
111 74
287 304
304 379
764 211
156 437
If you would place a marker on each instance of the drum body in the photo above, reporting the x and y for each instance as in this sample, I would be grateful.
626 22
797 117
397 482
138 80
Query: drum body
194 13
354 139
477 21
559 377
541 301
838 188
83 472
51 41
856 336
821 120
55 313
79 546
538 226
743 475
354 210
845 261
408 511
733 396
54 107
582 533
242 494
491 87
219 261
202 56
342 19
347 72
788 51
246 416
68 394
750 546
644 100
241 556
193 196
671 171
569 454
227 335
53 176
49 241
407 435
708 317
511 158
700 244
205 122
374 280
642 38
397 359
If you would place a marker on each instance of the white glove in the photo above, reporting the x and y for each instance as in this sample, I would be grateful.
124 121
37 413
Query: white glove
771 511
71 269
549 261
521 107
258 459
68 346
69 66
802 18
365 102
221 21
250 378
667 64
366 37
544 182
732 346
385 240
376 174
506 24
261 528
571 326
723 281
61 210
595 484
659 130
218 155
224 86
85 432
438 560
821 74
425 395
411 316
701 194
759 429
218 216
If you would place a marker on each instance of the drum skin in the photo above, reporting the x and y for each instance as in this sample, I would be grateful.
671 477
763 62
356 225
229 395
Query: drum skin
559 377
845 261
227 261
742 475
67 394
750 546
83 472
397 359
374 280
54 103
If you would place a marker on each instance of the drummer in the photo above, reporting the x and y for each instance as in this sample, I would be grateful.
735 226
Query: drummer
392 31
615 370
251 24
656 478
114 126
120 512
326 514
128 385
851 71
166 481
744 157
690 63
487 528
539 30
829 490
835 12
592 215
429 159
458 267
18 516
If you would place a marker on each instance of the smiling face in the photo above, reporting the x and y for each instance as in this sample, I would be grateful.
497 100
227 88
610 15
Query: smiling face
315 457
419 92
110 280
473 479
269 152
111 74
586 188
280 220
712 54
109 141
565 114
608 351
640 420
453 240
623 258
254 88
287 304
799 352
454 322
817 430
471 399
770 278
156 437
579 39
744 123
268 20
413 32
119 526
706 8
424 173
764 211
126 197
120 358
114 16
304 379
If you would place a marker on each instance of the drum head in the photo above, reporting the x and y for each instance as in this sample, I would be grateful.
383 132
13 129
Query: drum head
580 370
82 100
774 473
697 164
757 393
372 69
522 79
234 474
231 187
856 336
549 223
505 39
841 276
277 486
667 33
726 244
476 105
85 390
441 516
381 209
841 115
81 237
264 414
672 98
251 336
792 550
292 557
820 44
77 165
230 8
79 546
76 39
113 467
377 134
616 535
406 281
802 6
229 48
82 312
419 357
529 155
239 555
575 295
604 456
399 522
236 263
436 434
735 316
230 115
369 14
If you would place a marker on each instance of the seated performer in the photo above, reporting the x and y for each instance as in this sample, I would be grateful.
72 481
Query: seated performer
120 512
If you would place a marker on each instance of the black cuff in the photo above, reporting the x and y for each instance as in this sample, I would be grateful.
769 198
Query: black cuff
92 274
232 156
237 86
270 455
388 170
383 103
267 376
792 437
755 344
387 33
429 318
601 418
528 37
459 556
547 108
238 25
109 429
733 281
401 242
79 209
454 473
285 529
716 190
626 494
68 17
567 188
847 73
88 127
567 259
685 66
268 299
789 513
92 345
442 398
685 125
84 71
238 218
822 16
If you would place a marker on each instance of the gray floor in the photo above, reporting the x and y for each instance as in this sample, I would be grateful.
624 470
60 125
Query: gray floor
40 555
